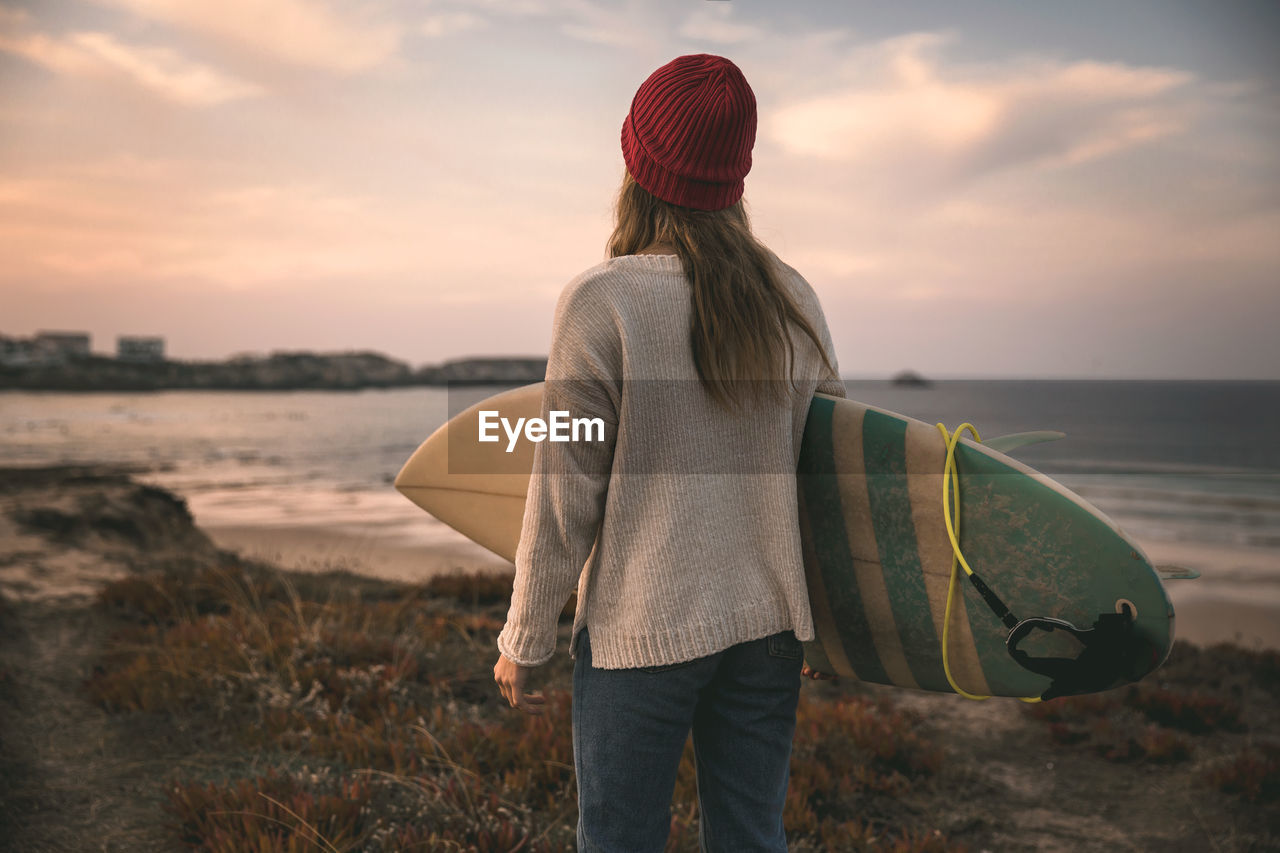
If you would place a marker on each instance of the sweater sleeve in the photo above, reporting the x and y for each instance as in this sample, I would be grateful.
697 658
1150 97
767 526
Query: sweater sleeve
565 502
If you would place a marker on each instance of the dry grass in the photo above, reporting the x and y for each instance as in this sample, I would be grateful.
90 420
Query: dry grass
1200 692
365 719
387 699
1253 774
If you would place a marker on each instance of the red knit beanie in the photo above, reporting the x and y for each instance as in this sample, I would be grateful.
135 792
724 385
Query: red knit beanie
688 136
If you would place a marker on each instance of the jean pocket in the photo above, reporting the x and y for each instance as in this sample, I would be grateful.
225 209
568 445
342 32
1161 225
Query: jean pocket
785 645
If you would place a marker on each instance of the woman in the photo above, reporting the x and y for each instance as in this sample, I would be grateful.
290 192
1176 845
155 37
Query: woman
700 351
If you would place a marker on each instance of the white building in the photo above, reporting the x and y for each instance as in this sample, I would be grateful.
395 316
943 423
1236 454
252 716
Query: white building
44 348
59 347
14 352
139 348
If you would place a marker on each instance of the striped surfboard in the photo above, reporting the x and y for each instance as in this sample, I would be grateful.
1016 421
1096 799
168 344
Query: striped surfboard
878 558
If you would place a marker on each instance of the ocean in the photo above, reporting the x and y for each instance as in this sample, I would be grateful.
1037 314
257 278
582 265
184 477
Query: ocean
1191 469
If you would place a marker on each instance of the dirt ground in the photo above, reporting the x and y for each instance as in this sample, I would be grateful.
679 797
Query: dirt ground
1009 785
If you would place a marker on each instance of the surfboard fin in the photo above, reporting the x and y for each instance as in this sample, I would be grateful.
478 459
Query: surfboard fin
1176 573
1014 440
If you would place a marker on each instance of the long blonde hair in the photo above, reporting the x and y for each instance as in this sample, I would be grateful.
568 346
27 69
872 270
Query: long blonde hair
742 315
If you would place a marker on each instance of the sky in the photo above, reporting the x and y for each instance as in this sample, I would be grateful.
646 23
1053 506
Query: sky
974 189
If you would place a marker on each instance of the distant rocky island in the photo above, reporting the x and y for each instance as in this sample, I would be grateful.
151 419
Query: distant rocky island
279 371
911 379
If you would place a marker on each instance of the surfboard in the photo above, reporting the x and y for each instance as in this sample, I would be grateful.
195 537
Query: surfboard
878 559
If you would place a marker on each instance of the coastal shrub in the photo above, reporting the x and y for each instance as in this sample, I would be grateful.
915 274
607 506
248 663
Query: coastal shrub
7 629
1160 745
478 589
1253 774
170 597
164 599
342 739
473 588
846 751
1070 708
142 599
1190 711
228 640
1112 725
528 758
1222 669
270 813
1067 734
391 696
355 812
1125 739
445 805
275 657
493 784
1143 721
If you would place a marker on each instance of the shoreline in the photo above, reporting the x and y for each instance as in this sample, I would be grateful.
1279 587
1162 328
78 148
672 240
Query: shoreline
1236 599
320 549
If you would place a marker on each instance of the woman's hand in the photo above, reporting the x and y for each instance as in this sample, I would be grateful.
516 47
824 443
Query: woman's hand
511 678
807 672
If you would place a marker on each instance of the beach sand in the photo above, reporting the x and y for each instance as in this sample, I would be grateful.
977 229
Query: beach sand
1236 598
370 552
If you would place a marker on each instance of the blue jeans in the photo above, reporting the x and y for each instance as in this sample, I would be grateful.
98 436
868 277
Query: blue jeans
630 727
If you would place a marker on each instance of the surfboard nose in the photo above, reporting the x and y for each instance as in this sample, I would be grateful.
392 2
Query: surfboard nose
476 487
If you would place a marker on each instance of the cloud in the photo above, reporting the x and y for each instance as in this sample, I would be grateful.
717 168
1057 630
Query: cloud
298 32
902 101
159 227
638 25
159 69
450 23
514 8
55 54
172 224
714 23
622 26
167 73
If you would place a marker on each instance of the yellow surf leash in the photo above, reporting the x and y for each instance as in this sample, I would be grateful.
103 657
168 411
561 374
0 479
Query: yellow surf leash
950 509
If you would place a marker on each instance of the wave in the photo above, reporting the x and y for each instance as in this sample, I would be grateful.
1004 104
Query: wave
1239 506
1129 467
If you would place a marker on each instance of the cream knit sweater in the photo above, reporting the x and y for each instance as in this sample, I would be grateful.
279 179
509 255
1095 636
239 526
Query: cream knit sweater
680 530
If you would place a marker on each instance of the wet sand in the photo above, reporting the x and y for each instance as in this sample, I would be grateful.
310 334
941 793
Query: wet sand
1236 598
372 553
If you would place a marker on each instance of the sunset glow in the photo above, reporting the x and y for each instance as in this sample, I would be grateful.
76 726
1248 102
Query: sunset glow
1084 190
